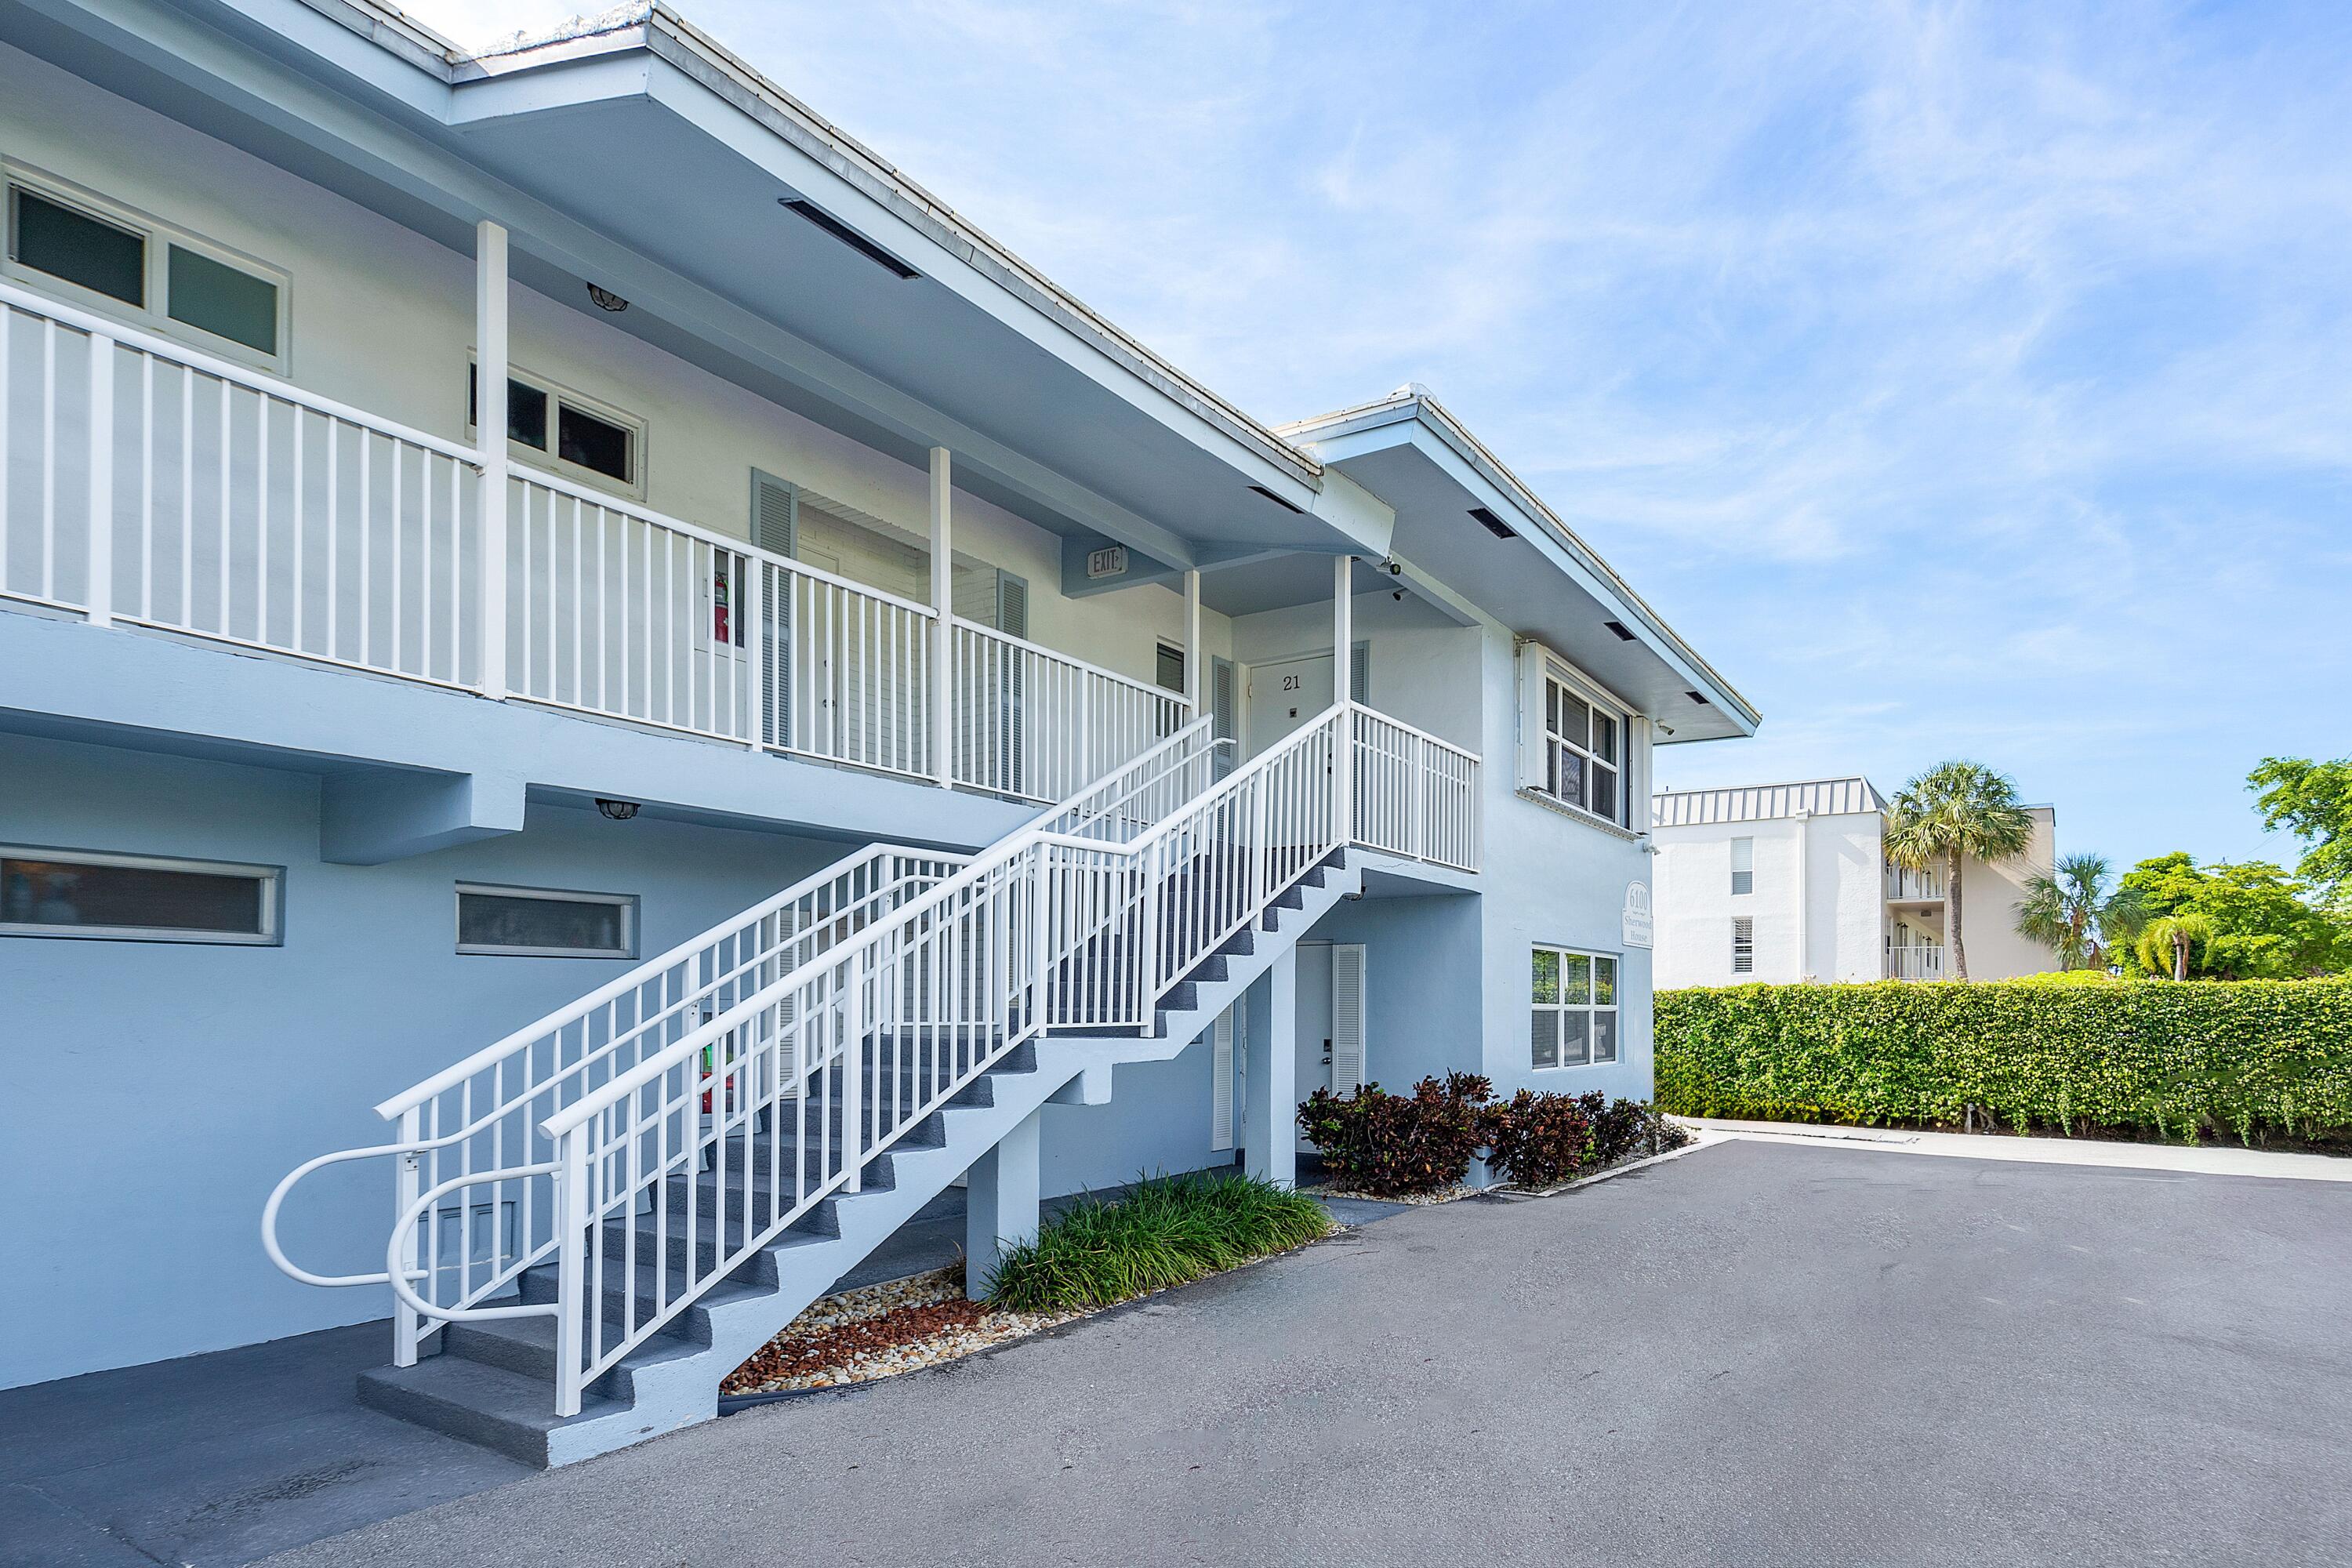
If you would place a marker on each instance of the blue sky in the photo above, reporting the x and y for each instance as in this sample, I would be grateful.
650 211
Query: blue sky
1961 380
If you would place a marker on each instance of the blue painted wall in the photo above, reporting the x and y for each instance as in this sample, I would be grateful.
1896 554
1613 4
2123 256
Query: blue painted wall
155 1091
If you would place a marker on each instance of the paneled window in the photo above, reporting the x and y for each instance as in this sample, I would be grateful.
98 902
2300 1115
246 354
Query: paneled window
1583 761
136 898
1743 866
542 922
1573 1011
166 278
1169 673
1743 945
594 441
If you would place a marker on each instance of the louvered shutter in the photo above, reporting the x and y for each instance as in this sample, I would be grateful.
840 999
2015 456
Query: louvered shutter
1013 606
775 528
1347 1017
1221 1081
1359 673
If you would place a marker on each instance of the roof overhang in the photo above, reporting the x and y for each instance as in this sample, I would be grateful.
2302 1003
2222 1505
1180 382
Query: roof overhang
1545 583
640 156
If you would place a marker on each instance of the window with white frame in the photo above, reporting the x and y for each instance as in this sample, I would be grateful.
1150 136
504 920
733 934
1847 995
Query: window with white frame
1572 1010
1743 866
126 263
137 897
545 923
1743 945
579 436
1582 765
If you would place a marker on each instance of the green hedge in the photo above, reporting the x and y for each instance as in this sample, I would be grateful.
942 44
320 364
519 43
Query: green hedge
2255 1059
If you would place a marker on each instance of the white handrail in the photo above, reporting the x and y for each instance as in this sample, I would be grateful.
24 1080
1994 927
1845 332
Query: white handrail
397 1274
1072 661
1395 724
456 1073
226 370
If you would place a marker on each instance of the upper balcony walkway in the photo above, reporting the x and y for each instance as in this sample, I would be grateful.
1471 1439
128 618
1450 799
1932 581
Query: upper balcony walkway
239 510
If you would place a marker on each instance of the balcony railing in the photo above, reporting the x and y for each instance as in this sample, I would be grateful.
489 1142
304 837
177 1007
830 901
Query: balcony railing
1918 963
1906 885
239 509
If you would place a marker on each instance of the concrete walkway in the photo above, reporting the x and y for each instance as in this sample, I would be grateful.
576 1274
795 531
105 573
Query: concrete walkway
215 1460
2216 1161
1769 1351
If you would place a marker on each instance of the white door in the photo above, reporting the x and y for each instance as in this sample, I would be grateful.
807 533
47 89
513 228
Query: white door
1314 1020
1284 696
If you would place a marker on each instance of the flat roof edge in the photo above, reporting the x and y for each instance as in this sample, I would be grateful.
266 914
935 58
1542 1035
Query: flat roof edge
1415 403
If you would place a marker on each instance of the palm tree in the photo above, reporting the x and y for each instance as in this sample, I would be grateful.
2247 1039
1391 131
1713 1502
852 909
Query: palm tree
2078 914
2168 941
1951 812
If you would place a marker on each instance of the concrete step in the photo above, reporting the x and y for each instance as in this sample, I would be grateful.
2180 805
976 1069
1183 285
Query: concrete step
507 1411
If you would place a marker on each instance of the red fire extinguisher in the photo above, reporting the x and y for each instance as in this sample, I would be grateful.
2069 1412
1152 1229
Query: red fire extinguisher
720 632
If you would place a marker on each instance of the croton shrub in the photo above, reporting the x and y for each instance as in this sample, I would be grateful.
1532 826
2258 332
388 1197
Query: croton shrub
1394 1145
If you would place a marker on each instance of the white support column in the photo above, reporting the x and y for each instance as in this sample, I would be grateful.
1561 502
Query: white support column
1343 671
1343 627
1193 680
1270 1080
943 684
490 444
999 1203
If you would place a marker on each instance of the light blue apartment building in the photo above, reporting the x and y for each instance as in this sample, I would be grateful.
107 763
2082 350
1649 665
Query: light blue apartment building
592 675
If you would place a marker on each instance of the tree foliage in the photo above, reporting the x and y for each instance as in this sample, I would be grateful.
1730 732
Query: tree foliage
2313 801
2078 913
2238 921
1954 812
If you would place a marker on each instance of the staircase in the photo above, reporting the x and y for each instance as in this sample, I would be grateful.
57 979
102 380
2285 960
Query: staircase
603 1215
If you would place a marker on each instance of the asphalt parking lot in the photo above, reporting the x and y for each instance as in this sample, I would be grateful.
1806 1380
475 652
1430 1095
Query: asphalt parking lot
1755 1353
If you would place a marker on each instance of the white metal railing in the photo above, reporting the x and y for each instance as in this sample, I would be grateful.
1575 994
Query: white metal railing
1416 794
1905 885
243 509
1919 962
849 676
473 1127
231 505
1035 724
701 1155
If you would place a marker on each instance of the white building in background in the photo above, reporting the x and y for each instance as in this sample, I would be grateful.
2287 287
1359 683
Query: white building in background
1789 882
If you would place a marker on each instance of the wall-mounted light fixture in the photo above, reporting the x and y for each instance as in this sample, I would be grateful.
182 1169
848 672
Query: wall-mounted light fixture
606 300
618 810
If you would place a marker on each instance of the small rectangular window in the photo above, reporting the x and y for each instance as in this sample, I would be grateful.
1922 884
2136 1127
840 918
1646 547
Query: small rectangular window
223 300
65 242
540 922
1170 672
1743 946
594 443
136 898
1572 1008
1743 866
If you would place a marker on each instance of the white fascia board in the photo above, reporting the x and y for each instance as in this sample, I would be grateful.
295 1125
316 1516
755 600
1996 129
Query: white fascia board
1007 278
1361 516
1468 463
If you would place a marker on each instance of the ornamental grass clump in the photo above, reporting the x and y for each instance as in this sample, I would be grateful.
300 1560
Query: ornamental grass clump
1164 1231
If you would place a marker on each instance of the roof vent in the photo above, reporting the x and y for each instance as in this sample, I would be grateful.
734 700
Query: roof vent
1493 524
846 235
1618 627
1696 697
1277 499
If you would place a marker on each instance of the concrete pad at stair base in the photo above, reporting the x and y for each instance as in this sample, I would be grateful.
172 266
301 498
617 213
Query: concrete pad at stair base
999 1205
